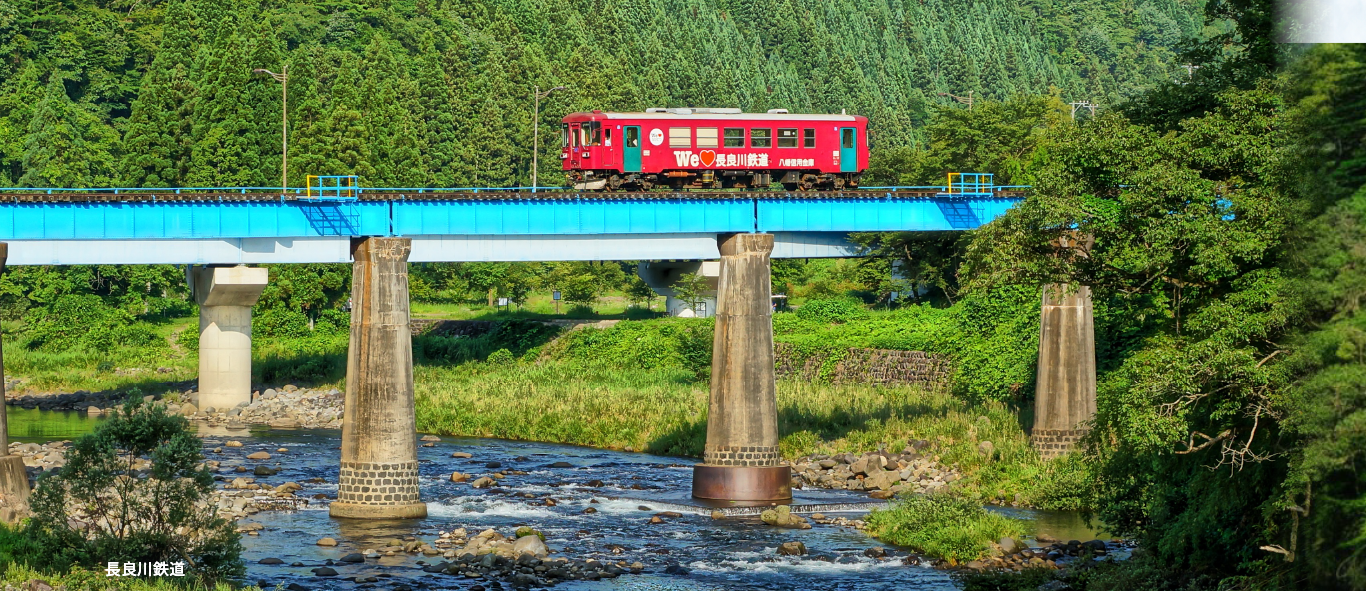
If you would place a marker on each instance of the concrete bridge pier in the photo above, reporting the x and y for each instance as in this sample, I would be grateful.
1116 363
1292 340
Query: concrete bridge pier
379 477
741 462
225 296
13 479
1065 393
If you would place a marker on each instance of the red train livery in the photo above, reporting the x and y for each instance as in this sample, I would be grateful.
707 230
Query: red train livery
713 149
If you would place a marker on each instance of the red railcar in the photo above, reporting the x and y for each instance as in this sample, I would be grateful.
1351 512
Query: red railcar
713 149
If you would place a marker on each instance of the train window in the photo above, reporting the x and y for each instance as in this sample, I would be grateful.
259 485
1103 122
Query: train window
735 137
787 138
680 137
761 138
607 137
846 138
633 137
592 134
574 136
706 137
564 135
808 138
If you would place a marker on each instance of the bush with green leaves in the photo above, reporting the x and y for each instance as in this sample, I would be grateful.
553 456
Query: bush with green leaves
85 321
942 526
134 490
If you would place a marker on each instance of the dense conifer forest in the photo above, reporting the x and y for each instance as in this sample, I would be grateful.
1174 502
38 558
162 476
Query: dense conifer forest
438 92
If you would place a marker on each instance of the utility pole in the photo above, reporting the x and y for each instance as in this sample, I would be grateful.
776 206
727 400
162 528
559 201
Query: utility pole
965 100
1084 105
536 135
283 79
1190 70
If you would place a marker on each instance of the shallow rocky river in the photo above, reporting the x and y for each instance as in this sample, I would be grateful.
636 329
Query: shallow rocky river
691 551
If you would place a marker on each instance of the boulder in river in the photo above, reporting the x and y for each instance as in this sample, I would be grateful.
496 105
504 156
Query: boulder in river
233 444
327 542
430 438
461 454
264 471
791 549
782 516
353 557
260 455
483 482
530 545
458 477
325 571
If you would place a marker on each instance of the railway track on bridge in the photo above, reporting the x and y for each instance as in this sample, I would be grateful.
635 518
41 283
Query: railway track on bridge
67 196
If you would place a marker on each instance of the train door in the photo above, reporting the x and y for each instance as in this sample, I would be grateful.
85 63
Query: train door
631 149
848 149
574 145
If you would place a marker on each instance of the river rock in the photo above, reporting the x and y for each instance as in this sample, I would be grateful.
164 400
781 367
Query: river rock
265 471
327 542
881 494
782 516
986 448
590 511
188 409
269 394
530 545
232 444
562 465
461 454
270 561
353 557
791 549
458 477
260 455
483 482
92 410
430 438
717 514
325 571
1009 546
881 480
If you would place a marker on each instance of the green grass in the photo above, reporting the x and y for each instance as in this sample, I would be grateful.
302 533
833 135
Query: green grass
17 574
116 369
941 526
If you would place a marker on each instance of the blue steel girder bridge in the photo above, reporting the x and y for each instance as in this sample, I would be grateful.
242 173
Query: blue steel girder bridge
217 232
259 225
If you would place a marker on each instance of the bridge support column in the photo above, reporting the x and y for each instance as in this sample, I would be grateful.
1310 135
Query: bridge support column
13 478
379 478
741 462
225 296
1065 393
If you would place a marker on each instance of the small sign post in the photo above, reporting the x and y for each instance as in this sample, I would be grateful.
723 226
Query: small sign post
555 295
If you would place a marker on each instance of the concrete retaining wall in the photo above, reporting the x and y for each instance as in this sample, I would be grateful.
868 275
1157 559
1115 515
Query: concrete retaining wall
867 366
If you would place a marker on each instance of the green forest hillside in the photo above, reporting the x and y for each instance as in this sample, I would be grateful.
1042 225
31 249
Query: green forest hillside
438 92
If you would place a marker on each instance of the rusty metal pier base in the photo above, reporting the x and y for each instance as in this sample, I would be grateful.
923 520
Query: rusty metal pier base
740 486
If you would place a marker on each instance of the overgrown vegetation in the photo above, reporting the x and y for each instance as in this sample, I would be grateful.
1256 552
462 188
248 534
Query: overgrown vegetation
131 491
942 526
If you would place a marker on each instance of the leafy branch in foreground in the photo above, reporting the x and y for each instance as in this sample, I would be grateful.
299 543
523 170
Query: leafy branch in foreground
134 490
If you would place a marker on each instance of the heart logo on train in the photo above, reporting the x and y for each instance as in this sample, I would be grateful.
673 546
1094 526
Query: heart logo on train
708 157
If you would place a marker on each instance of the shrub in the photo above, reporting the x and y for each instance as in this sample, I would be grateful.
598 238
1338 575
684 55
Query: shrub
942 526
134 491
833 311
85 321
501 357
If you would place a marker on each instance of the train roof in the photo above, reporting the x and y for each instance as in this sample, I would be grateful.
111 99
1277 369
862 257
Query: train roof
683 114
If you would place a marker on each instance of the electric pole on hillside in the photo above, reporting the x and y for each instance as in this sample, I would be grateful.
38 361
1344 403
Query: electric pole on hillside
967 100
536 133
283 79
1190 70
1083 105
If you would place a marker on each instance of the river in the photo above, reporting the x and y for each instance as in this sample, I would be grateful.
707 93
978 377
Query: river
734 553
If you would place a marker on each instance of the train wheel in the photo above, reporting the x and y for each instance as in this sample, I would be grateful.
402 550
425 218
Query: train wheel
791 186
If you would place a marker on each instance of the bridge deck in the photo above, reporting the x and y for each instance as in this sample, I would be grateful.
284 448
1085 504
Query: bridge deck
157 196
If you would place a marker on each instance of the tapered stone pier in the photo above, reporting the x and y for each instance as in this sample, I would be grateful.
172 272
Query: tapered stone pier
225 296
740 462
1065 393
13 479
379 442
